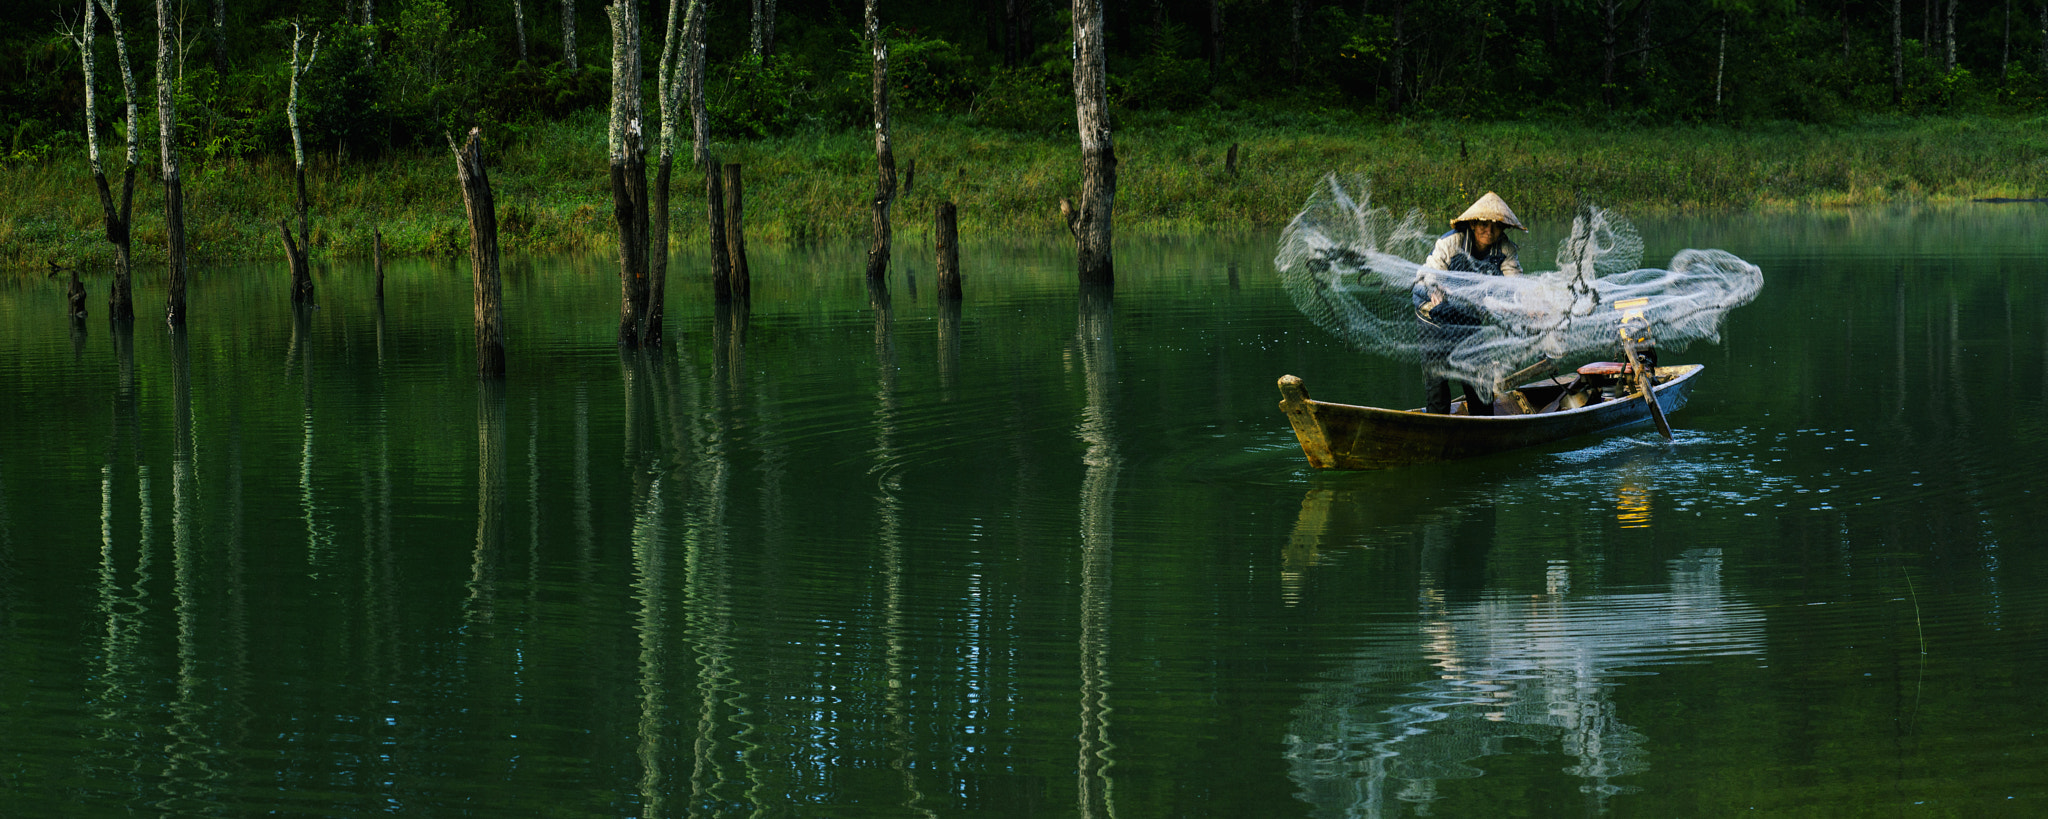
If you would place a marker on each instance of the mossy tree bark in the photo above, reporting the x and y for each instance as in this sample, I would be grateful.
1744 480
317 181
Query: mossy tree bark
1093 225
762 38
885 157
569 34
118 216
174 185
628 171
672 72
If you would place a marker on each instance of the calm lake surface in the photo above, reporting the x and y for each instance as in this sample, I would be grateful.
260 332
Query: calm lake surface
1036 555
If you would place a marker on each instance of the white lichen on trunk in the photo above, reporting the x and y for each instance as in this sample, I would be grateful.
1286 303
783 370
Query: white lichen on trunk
291 106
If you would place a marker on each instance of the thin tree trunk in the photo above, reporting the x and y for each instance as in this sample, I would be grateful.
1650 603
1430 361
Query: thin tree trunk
1016 25
368 23
1948 38
947 230
519 26
120 295
2005 50
736 232
761 41
1215 36
672 76
1093 226
220 38
482 207
1898 54
628 171
174 185
1399 59
1294 14
1720 64
569 34
295 252
885 157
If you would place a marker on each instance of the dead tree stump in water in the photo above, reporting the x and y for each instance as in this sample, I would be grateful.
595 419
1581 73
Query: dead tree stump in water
76 294
736 233
948 230
483 254
721 256
377 258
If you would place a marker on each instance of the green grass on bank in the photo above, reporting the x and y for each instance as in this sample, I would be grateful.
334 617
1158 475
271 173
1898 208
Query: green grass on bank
552 189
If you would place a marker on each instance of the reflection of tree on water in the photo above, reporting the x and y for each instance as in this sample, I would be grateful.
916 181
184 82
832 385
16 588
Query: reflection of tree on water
1427 702
1095 336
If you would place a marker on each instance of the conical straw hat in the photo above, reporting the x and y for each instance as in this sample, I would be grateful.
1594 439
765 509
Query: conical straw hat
1489 208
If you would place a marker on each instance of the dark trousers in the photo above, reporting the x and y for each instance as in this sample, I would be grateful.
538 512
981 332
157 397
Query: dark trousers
1438 339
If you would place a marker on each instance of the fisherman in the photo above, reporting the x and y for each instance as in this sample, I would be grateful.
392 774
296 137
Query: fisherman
1477 243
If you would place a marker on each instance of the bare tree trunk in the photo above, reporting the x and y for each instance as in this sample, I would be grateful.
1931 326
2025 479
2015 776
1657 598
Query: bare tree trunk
174 185
368 23
885 157
628 171
568 34
2005 51
295 252
1215 36
1093 226
1898 54
483 254
724 288
1294 14
672 74
519 26
947 231
1720 64
762 39
1610 40
220 38
120 296
1399 59
1016 24
1948 38
736 232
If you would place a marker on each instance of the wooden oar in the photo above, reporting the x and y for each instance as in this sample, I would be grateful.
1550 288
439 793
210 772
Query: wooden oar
1644 381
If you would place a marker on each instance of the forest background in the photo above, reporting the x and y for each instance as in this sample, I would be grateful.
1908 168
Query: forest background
1227 113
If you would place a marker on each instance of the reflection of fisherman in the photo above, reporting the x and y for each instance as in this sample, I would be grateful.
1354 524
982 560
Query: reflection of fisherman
1477 243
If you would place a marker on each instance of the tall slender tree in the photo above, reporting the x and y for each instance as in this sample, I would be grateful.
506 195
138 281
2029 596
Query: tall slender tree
885 156
568 34
628 170
519 26
295 252
673 78
167 139
119 216
761 39
1093 224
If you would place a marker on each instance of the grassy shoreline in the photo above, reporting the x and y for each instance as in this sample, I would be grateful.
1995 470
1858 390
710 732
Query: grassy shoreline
553 194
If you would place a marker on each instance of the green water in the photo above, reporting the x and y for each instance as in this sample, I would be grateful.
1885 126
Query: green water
1036 555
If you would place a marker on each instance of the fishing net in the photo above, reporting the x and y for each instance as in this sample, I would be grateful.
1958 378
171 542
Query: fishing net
1356 271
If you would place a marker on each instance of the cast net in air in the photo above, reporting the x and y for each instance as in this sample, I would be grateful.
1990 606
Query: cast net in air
1356 270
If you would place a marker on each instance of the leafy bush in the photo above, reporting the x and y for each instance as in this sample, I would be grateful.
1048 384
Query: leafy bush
752 97
1031 99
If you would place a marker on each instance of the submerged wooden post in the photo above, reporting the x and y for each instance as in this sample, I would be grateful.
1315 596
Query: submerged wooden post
736 232
483 254
949 252
377 258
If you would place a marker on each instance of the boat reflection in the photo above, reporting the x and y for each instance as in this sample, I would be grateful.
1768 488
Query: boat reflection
1427 702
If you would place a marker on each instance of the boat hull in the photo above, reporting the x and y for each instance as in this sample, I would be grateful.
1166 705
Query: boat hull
1344 436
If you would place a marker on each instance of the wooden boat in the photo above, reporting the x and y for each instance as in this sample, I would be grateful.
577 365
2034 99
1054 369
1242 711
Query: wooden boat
1343 436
